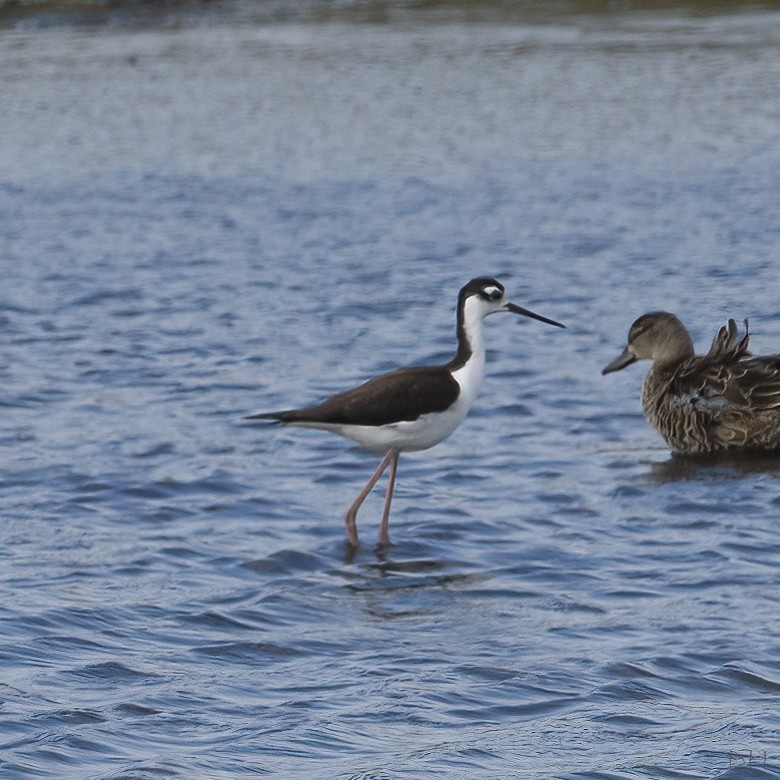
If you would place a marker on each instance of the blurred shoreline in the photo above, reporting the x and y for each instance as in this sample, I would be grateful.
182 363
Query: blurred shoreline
49 13
306 100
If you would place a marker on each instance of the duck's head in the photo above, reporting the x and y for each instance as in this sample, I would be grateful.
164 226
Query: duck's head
657 336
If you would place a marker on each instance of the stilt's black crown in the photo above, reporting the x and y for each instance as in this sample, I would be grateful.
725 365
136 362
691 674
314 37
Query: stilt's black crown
485 286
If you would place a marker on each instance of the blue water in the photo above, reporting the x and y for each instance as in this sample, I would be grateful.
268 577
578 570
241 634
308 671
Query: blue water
563 598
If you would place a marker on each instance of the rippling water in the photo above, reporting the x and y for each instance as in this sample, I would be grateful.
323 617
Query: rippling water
202 222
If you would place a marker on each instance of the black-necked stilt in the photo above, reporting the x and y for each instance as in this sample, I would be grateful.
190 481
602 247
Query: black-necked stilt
411 408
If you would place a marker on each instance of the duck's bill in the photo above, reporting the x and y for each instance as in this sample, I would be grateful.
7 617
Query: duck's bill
625 358
526 313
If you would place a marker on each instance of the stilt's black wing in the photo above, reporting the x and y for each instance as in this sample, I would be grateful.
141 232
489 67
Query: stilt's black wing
402 395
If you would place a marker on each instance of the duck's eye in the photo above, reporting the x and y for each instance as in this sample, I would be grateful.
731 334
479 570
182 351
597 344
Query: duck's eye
639 330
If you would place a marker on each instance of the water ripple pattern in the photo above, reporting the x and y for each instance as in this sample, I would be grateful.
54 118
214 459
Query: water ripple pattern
202 221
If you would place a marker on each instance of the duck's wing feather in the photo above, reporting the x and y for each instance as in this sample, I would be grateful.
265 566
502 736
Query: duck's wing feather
398 396
729 376
727 346
755 383
703 380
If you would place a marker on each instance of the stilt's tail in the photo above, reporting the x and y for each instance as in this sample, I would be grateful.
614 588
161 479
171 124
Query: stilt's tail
309 414
269 416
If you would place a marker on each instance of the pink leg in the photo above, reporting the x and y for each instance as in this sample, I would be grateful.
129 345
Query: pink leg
350 519
384 535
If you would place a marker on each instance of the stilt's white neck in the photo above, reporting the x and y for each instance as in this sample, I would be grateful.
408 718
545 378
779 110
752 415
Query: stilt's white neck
468 366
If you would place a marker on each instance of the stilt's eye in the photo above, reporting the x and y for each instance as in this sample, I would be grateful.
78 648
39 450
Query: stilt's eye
493 293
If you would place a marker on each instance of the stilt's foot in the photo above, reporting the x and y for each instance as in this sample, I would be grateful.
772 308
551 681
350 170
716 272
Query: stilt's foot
384 541
350 553
350 522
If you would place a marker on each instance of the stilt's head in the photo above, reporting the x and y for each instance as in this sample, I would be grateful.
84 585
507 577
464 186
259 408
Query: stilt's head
484 295
478 299
658 336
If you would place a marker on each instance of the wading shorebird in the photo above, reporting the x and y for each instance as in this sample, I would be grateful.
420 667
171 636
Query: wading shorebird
724 400
412 408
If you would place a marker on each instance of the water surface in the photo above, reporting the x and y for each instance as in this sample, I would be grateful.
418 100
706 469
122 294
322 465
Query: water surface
206 220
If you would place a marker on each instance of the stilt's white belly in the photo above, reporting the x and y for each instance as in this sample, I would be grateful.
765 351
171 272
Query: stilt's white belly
406 436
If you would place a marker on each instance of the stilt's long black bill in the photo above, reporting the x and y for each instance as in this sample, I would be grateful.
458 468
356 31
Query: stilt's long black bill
526 313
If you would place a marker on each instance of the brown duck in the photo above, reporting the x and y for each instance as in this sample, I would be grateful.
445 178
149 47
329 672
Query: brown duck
724 400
